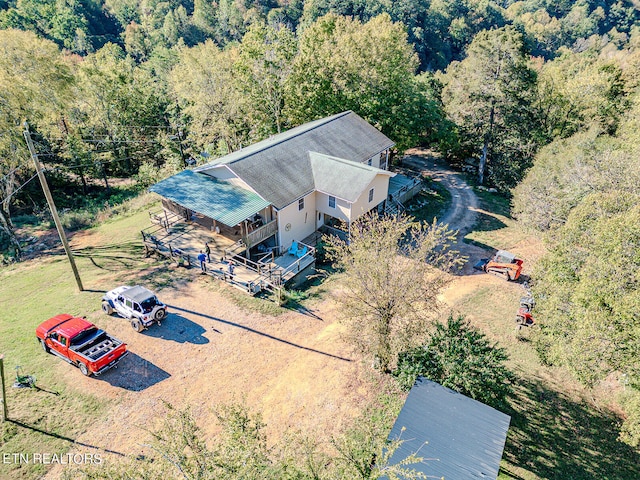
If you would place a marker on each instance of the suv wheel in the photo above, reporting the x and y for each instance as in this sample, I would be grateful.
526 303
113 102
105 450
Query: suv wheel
44 345
107 308
160 314
137 325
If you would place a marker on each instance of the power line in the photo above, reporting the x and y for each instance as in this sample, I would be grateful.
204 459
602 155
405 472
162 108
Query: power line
52 205
12 171
15 192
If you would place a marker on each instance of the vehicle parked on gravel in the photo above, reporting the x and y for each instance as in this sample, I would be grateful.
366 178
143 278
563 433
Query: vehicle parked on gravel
80 343
137 304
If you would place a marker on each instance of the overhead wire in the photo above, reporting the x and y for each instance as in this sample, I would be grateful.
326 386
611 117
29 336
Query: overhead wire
5 200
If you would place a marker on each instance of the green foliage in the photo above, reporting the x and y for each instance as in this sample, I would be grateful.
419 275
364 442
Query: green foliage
489 96
562 106
587 286
459 356
79 26
262 69
35 81
630 430
368 68
394 270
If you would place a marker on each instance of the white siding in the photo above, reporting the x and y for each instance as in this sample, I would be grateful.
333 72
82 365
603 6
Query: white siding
342 210
376 161
302 222
380 186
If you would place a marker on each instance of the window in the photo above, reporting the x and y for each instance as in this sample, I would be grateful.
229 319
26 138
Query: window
301 204
371 195
369 161
332 202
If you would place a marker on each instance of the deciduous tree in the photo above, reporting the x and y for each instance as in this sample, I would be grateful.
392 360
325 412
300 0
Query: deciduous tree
393 269
489 96
35 81
369 68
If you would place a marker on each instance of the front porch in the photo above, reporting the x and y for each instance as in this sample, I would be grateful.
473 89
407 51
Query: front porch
182 241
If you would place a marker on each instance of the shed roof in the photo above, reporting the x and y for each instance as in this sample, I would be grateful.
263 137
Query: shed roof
222 201
278 168
342 178
465 437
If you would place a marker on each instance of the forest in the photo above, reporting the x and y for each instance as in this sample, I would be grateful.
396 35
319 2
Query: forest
540 98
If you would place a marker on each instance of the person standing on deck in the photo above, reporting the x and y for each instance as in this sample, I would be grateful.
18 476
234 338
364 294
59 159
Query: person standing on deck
231 268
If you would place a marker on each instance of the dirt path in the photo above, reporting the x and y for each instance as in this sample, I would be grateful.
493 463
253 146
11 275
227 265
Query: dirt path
462 214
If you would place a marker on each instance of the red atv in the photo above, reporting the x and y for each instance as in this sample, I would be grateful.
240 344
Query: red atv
524 317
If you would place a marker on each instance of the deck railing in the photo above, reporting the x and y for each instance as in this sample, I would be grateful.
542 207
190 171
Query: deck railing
260 234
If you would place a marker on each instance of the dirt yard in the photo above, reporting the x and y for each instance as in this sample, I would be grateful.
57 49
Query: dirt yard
293 368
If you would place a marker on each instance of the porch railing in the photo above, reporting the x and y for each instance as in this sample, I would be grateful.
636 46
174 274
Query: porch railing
260 234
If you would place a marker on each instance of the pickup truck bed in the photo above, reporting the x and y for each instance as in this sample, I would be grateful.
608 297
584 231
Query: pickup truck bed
97 347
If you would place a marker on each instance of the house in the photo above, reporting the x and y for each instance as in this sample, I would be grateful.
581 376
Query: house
321 175
457 436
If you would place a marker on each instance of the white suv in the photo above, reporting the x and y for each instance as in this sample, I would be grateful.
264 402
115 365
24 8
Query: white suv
137 304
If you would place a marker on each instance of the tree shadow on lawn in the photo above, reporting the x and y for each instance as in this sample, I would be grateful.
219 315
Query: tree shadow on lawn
258 332
178 329
556 437
134 373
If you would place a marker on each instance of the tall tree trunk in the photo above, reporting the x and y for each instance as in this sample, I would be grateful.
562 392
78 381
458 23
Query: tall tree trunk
6 227
485 147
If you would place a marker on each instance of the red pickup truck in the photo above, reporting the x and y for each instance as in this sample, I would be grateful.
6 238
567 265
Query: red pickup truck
80 343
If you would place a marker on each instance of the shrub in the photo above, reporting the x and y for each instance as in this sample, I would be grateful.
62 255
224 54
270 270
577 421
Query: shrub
459 356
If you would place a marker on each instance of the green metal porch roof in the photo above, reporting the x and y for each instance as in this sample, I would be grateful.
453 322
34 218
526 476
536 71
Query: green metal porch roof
202 193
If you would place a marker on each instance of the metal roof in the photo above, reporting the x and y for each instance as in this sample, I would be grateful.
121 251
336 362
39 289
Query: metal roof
222 201
278 168
342 178
464 438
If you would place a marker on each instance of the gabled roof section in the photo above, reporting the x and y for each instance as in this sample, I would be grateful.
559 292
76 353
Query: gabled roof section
220 200
465 437
278 168
342 178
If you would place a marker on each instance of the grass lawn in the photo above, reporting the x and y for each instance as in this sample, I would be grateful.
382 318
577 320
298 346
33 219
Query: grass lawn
495 227
49 418
559 429
430 202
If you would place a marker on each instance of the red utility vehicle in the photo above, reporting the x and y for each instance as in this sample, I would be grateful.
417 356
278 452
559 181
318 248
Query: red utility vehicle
80 343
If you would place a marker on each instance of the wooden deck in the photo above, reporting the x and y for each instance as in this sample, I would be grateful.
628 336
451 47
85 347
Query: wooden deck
183 241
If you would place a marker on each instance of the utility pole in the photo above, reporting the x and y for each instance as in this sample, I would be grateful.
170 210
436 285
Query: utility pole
5 413
52 206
